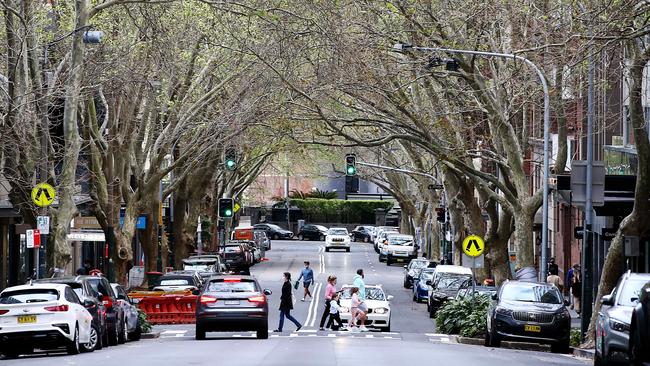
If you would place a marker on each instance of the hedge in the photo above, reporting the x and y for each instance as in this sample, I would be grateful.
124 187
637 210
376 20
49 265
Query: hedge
464 316
340 211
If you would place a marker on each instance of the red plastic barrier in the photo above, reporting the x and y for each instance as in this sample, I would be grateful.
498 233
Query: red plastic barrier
169 309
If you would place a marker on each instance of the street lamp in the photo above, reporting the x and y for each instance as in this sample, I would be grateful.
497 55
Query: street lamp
406 47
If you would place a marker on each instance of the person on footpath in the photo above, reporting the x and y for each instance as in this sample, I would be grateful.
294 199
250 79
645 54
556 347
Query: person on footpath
286 304
335 309
357 312
554 279
307 276
576 289
330 291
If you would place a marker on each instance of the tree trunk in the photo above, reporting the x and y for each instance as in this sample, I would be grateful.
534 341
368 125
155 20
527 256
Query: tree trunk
524 239
67 207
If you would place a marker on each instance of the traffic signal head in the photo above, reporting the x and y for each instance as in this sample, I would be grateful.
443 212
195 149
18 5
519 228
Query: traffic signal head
350 165
226 209
231 159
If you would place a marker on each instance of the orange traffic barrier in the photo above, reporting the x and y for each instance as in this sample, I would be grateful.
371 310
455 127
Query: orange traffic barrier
169 309
143 294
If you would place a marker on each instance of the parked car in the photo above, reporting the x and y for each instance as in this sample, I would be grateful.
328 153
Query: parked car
237 256
378 307
90 299
133 325
613 324
178 281
44 315
274 231
262 239
252 234
412 270
446 282
232 303
312 232
115 321
362 233
530 312
478 291
420 287
399 248
378 230
204 263
379 242
337 238
640 329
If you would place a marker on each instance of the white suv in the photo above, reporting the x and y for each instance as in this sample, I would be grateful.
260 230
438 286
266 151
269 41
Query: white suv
337 238
400 248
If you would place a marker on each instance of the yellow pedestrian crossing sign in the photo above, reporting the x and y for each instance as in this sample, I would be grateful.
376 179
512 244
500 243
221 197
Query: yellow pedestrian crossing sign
43 195
473 246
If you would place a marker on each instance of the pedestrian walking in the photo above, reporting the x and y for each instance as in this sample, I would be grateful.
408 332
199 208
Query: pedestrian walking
356 312
554 279
307 276
286 304
576 288
330 291
335 313
569 282
357 281
552 266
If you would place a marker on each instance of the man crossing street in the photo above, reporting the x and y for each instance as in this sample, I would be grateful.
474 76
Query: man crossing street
307 276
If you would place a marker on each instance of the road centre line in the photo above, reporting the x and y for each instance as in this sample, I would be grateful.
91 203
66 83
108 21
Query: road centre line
315 303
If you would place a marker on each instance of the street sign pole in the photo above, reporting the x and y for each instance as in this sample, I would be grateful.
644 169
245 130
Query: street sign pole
474 278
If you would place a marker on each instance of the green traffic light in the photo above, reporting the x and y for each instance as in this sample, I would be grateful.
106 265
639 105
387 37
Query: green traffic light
228 213
230 164
351 170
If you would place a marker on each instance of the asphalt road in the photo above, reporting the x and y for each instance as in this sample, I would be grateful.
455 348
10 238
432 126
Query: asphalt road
413 339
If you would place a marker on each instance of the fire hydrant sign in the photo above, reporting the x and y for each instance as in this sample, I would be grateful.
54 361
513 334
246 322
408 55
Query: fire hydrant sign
33 239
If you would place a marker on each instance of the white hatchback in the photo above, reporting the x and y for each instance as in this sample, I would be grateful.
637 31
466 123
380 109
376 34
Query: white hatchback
43 316
378 304
337 238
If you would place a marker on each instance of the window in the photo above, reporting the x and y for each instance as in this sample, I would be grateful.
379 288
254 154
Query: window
527 293
29 296
176 282
231 287
630 292
71 296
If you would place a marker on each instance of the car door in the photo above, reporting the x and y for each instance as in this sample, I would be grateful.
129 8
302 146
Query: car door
82 316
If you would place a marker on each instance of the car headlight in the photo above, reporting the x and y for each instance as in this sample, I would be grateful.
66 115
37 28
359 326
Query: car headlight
380 311
564 314
619 325
503 311
343 309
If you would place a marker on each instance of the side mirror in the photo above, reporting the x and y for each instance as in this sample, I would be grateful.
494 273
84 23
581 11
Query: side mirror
88 304
429 283
267 292
406 267
495 296
196 292
121 297
607 300
390 297
567 302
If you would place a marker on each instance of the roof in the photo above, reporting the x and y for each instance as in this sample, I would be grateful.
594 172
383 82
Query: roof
453 269
57 286
529 283
66 279
221 276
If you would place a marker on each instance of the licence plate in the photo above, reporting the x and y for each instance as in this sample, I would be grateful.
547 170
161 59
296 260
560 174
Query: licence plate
532 328
232 302
26 319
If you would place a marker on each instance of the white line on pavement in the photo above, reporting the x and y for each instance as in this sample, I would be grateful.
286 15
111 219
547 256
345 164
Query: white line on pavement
316 302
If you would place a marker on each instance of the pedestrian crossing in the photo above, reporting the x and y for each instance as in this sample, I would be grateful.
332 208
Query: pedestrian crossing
307 333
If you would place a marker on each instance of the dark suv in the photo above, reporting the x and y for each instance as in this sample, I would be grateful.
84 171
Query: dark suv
274 231
237 257
115 320
312 232
362 233
529 312
232 303
87 295
640 329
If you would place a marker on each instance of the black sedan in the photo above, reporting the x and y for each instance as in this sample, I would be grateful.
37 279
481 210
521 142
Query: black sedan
412 270
529 312
230 304
312 232
640 329
274 231
362 233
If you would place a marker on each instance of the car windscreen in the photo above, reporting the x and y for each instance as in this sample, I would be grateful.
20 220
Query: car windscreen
197 267
275 227
233 249
372 293
337 232
452 281
400 240
426 275
528 293
231 286
29 296
630 291
174 282
321 228
419 264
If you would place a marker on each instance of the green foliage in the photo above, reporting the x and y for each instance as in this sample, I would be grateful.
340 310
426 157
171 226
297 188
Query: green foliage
341 211
465 316
574 340
144 322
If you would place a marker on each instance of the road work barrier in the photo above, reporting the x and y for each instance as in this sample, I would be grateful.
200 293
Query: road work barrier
166 308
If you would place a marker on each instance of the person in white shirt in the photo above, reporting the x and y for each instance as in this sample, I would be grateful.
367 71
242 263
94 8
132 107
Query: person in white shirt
335 313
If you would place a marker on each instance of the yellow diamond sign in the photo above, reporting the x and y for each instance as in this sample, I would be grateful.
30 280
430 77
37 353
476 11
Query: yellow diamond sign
43 195
473 246
237 207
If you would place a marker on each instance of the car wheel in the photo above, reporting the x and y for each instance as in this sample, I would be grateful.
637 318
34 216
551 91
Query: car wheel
387 329
263 331
432 312
327 249
347 250
124 334
301 237
113 336
105 342
200 333
495 341
560 347
137 333
276 237
94 340
73 347
388 262
415 298
9 355
321 238
637 356
366 239
486 339
406 284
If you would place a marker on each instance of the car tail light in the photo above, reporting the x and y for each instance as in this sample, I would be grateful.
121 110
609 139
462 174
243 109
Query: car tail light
108 303
257 299
207 299
232 279
3 311
57 308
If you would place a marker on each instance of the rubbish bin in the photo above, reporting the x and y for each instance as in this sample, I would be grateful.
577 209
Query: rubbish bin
152 277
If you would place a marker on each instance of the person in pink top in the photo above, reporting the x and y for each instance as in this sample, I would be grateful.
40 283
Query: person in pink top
330 290
356 313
